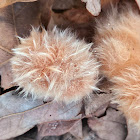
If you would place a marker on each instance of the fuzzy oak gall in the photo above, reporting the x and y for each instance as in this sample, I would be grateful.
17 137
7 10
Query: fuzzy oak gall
55 64
117 44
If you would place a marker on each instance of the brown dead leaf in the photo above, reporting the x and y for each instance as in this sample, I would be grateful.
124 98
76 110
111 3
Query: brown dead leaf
97 104
25 15
79 20
59 128
93 6
15 20
30 135
5 71
4 3
5 56
100 101
76 130
133 133
112 126
78 16
18 115
45 7
65 5
11 103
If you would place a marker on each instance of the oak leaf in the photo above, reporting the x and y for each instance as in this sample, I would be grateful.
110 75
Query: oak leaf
18 115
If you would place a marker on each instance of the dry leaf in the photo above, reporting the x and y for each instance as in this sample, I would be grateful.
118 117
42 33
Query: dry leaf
11 103
78 16
4 3
7 41
93 6
5 55
78 20
112 126
30 135
76 130
57 128
18 115
15 20
64 5
45 11
133 133
97 102
25 15
5 71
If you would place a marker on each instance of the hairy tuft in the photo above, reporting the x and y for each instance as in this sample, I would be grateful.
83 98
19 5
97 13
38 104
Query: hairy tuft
117 43
55 64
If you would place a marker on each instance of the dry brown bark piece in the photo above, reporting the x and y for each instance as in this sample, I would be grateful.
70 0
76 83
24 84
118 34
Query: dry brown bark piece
18 115
112 126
